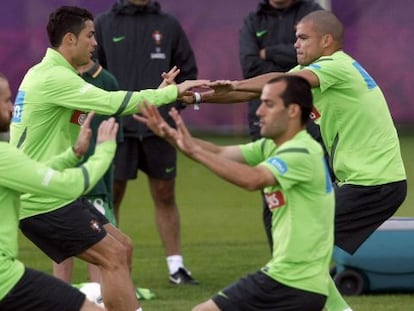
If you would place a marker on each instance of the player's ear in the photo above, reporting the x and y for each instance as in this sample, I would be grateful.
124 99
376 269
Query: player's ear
294 110
327 40
68 39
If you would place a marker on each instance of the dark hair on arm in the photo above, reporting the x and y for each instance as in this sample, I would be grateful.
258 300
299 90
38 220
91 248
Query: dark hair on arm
66 19
297 91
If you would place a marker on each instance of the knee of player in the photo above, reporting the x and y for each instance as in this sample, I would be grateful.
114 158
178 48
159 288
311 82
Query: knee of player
117 255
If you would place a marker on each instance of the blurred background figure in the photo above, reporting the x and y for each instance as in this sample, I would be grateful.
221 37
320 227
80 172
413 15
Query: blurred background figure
137 42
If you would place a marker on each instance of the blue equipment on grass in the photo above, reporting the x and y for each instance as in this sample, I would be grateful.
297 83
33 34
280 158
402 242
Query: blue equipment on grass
383 263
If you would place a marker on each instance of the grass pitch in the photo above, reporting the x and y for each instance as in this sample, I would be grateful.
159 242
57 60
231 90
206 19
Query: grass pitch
222 238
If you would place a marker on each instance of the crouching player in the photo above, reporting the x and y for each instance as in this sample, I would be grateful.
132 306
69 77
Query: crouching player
289 166
23 288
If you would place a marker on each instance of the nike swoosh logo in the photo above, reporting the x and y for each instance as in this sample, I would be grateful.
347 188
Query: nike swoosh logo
118 39
261 33
169 169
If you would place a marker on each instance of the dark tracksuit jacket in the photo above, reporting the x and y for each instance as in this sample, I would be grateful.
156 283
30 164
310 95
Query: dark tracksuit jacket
137 44
273 30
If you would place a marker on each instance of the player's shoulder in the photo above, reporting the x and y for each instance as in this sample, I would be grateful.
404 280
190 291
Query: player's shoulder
301 144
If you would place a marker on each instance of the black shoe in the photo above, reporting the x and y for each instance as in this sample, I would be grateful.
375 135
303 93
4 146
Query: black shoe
183 276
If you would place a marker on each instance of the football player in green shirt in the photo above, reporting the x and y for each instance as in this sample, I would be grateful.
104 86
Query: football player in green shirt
47 97
289 166
356 127
23 288
101 195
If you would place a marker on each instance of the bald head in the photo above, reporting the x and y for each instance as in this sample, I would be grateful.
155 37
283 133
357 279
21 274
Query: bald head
325 22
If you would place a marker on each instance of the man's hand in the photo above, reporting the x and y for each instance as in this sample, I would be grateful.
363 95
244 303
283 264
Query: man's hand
222 87
183 139
169 77
190 99
184 88
84 137
151 117
180 137
107 130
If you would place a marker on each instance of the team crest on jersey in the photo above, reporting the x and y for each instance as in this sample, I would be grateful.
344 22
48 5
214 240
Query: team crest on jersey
274 200
95 225
314 115
157 36
78 117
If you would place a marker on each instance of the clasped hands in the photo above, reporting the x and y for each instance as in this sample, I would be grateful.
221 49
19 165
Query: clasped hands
187 90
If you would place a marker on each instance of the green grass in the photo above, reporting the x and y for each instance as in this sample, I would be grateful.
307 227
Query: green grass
222 238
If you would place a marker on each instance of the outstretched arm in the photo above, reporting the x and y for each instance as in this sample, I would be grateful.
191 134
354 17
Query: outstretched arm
151 117
225 161
23 174
254 84
227 91
235 172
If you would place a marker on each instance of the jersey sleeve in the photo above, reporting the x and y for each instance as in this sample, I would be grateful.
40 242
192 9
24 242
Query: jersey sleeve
71 91
253 153
64 160
290 166
328 72
22 174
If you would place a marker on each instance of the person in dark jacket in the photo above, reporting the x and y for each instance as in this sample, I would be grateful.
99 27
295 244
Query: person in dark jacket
266 45
137 42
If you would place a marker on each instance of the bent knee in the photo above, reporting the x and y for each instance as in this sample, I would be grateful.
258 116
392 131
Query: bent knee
114 255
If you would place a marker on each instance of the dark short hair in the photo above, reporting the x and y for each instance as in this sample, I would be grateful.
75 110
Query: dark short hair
297 91
66 19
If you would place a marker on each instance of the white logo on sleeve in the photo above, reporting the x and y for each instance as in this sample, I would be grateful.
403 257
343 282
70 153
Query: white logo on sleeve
86 88
48 177
279 164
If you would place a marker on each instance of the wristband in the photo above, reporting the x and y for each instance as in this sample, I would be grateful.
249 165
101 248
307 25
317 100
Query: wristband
197 100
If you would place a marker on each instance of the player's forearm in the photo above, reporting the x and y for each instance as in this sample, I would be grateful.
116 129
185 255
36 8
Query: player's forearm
254 84
231 171
207 145
229 97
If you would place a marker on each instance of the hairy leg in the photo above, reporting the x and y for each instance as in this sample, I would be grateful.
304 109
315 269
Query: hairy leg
113 257
63 270
166 214
119 192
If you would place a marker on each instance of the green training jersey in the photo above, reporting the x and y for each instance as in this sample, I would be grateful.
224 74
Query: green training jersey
20 174
302 206
44 106
355 122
